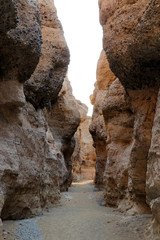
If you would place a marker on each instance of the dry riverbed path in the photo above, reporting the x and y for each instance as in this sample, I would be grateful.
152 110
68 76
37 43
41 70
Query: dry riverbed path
79 216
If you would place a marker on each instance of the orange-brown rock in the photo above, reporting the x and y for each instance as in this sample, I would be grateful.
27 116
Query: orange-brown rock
84 156
128 120
97 128
131 43
123 120
131 40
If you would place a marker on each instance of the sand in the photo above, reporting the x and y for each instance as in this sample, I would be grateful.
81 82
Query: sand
79 216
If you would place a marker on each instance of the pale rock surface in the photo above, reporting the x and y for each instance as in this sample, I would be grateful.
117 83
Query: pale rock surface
84 156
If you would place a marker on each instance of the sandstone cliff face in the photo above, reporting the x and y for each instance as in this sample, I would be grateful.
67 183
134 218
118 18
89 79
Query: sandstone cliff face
21 39
131 43
45 83
131 40
63 120
84 156
97 128
34 154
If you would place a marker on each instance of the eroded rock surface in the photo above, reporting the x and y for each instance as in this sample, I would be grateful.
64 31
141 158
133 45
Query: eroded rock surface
153 177
131 40
63 120
45 83
131 43
97 128
35 145
20 39
84 156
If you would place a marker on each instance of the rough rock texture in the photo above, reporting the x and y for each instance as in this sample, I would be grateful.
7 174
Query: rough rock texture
20 39
46 81
131 42
121 128
97 128
84 156
128 121
63 120
35 145
29 171
153 177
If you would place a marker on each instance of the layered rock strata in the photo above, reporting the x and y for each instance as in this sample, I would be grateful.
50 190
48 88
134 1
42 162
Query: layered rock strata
35 145
84 156
131 43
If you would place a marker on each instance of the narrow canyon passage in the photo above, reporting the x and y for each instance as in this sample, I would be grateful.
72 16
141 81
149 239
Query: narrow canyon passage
50 144
80 216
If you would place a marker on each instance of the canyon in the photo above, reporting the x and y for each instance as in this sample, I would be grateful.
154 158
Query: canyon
45 142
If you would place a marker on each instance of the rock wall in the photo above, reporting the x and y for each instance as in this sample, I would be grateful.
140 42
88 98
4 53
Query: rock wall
84 156
97 127
37 124
63 120
128 111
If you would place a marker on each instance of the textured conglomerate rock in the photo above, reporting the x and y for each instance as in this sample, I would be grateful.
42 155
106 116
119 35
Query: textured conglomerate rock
35 145
46 81
97 128
131 42
20 40
63 120
84 156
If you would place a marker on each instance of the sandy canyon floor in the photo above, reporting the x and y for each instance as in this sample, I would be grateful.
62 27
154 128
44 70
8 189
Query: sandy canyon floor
79 216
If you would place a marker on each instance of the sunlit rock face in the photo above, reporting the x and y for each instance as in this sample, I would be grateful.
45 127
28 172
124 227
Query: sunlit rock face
35 144
84 156
131 43
97 128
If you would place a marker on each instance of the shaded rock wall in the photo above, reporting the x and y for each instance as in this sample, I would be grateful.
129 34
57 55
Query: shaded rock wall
20 39
84 156
35 144
63 120
127 110
45 83
153 177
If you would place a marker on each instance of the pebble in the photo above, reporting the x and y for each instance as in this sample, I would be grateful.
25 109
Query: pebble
28 230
